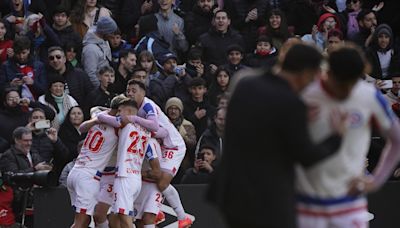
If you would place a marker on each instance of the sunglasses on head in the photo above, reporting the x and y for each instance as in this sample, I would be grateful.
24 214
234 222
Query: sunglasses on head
52 57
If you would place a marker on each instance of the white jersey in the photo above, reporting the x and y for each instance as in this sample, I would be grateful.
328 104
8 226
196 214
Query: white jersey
100 143
149 108
133 147
365 105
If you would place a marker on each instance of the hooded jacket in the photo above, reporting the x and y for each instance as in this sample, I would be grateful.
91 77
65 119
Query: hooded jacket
95 54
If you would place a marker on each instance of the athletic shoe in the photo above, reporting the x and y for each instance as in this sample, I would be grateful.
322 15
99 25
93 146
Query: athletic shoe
185 223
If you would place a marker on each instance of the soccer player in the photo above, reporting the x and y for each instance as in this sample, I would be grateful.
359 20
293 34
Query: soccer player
173 147
324 199
133 147
83 180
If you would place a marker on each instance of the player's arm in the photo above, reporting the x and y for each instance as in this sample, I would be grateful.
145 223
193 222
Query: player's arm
161 133
150 123
85 126
112 121
302 149
151 156
388 124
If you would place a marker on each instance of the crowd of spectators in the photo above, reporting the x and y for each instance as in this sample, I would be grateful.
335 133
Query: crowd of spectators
60 58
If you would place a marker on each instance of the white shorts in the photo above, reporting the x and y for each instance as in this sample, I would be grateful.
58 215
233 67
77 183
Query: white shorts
148 201
171 159
106 194
345 214
83 186
126 191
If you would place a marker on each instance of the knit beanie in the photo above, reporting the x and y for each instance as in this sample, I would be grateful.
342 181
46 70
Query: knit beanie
382 29
325 16
106 25
174 101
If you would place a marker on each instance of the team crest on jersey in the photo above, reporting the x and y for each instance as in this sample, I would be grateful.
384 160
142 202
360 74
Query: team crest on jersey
355 119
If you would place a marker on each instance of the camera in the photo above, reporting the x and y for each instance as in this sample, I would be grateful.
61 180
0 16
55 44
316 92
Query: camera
26 180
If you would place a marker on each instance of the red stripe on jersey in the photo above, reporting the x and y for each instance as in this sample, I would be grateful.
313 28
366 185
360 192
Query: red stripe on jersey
82 211
328 214
121 211
96 178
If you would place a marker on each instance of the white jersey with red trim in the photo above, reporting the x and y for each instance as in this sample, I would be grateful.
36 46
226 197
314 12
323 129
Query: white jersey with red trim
133 147
365 106
149 108
100 143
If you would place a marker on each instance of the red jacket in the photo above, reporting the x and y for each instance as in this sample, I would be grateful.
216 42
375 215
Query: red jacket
7 217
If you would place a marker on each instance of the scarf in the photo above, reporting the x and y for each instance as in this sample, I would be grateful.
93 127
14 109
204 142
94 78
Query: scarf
63 104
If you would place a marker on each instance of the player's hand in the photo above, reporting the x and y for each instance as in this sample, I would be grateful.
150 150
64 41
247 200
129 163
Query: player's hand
43 166
52 134
338 120
361 185
16 82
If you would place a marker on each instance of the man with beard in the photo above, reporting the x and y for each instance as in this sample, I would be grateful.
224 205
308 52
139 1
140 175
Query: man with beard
198 21
367 23
102 95
127 61
77 83
23 72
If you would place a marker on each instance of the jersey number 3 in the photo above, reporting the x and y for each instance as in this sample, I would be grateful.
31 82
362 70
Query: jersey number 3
137 140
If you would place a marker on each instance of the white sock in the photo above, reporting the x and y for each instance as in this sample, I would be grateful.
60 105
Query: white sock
173 199
149 226
103 225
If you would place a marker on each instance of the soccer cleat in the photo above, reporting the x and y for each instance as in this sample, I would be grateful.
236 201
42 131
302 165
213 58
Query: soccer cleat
160 217
185 223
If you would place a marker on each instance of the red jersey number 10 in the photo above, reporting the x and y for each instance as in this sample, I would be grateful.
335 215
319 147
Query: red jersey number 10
94 141
137 140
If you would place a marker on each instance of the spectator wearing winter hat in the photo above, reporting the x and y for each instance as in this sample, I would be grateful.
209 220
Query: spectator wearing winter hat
264 55
58 100
381 53
174 81
174 110
96 50
319 33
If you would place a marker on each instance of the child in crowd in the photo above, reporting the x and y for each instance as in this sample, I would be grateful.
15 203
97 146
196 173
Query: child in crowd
219 85
264 55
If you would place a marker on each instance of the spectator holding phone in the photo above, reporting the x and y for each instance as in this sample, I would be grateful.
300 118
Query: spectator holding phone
203 167
23 72
46 143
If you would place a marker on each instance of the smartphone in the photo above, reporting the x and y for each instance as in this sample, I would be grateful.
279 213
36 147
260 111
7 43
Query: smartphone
388 84
19 75
42 124
200 156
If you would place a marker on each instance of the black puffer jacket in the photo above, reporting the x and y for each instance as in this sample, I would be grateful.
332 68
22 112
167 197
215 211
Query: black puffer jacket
15 160
215 44
78 82
197 22
68 35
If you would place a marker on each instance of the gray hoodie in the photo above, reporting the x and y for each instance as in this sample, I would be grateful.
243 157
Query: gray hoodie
96 53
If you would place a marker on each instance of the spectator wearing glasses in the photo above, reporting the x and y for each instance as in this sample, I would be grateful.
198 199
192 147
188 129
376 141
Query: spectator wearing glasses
14 112
77 83
318 36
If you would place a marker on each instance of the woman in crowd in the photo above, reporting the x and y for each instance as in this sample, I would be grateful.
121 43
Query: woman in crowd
381 53
58 100
276 28
219 85
85 15
147 61
69 131
6 43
